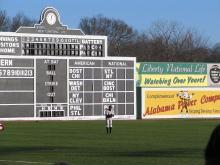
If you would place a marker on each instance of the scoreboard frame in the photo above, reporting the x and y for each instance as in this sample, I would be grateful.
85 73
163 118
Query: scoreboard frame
46 55
36 117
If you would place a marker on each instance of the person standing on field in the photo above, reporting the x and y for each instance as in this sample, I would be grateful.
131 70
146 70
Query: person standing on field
109 114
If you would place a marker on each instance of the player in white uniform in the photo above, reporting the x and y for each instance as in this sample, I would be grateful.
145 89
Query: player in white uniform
109 113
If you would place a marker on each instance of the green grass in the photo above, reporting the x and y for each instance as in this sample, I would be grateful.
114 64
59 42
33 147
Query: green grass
166 142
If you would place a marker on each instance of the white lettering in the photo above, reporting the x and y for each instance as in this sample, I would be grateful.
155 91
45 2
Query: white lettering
5 62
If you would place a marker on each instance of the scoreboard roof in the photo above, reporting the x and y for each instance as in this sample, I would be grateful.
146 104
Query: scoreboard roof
51 38
50 24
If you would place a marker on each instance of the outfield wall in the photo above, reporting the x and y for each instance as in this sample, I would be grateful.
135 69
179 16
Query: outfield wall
179 90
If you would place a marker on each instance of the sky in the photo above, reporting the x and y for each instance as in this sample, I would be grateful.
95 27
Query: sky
203 15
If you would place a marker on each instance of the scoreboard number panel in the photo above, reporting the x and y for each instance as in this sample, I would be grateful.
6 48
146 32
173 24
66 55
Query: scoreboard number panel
67 88
50 72
16 87
94 85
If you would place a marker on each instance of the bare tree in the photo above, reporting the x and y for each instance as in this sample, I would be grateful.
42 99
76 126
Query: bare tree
214 53
21 20
4 21
139 48
171 41
163 41
118 32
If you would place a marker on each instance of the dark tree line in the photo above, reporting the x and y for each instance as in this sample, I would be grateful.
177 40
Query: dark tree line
118 32
162 41
12 24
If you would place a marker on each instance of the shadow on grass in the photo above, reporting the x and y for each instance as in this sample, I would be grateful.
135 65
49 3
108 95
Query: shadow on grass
98 151
163 153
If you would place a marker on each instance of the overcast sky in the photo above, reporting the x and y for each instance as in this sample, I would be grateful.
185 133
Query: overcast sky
200 14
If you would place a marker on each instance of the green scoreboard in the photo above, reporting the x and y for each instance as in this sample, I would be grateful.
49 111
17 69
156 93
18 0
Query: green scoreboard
49 72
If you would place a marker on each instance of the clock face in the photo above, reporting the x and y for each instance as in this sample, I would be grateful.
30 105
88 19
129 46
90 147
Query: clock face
51 18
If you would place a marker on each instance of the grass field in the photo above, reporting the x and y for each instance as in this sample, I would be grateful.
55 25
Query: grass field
166 142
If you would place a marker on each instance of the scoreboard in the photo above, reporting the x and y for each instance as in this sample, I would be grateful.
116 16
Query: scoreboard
49 72
45 87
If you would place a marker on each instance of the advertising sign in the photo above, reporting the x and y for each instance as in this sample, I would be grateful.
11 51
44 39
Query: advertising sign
171 74
180 103
214 75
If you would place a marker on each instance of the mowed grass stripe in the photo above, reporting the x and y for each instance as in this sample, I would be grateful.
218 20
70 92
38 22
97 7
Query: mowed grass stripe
167 142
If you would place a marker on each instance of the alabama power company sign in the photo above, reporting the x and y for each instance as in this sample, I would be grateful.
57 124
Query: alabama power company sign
51 72
180 103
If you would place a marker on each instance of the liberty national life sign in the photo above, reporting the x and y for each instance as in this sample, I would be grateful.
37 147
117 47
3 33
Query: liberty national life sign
51 72
159 74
